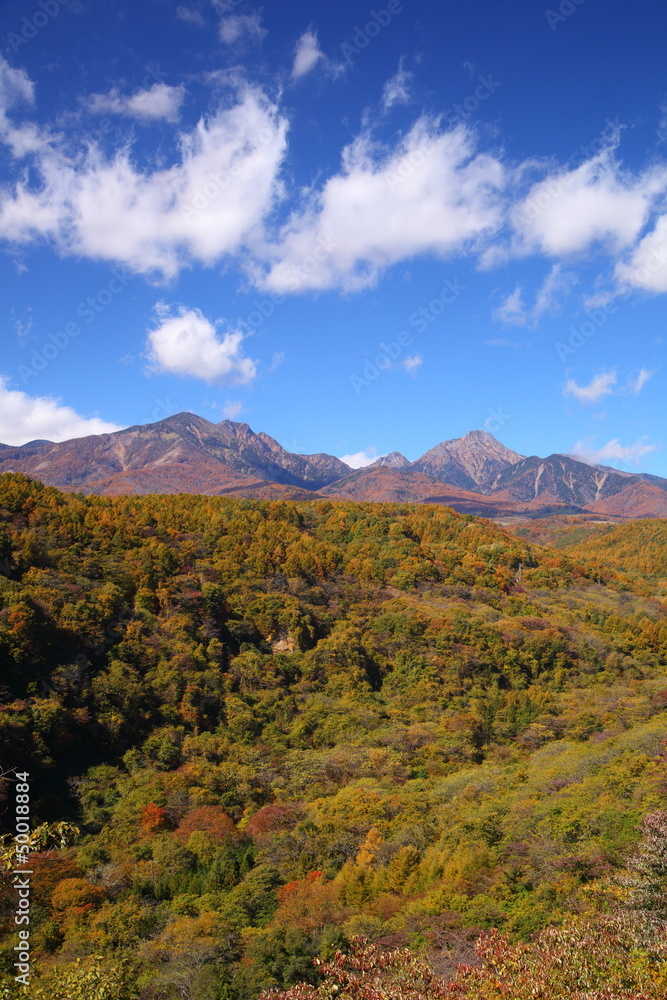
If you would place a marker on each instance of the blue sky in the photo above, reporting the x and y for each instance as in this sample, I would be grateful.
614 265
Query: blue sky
359 228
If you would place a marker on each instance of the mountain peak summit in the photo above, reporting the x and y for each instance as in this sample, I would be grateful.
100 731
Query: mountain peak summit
394 460
467 461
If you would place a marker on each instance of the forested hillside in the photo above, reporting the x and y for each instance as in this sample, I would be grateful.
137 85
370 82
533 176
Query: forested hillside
263 733
638 548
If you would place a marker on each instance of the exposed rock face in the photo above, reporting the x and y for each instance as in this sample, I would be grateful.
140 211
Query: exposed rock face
282 642
558 477
259 454
468 461
392 461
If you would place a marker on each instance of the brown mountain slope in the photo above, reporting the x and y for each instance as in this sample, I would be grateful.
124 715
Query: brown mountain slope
184 439
210 478
637 498
383 484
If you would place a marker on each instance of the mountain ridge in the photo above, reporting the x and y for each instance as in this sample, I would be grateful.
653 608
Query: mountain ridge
476 473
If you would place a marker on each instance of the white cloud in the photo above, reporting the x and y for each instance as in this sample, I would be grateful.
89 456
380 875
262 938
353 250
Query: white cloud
241 27
17 89
231 410
599 386
26 418
596 202
190 16
397 90
646 267
637 383
204 206
159 102
306 54
612 451
412 363
361 458
431 194
186 343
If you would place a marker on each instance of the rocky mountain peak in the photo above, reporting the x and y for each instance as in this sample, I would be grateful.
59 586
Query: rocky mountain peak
394 460
467 461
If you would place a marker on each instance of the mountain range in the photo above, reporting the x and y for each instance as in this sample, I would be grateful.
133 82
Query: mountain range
474 474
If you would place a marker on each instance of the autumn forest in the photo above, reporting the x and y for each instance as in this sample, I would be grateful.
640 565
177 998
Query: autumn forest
305 750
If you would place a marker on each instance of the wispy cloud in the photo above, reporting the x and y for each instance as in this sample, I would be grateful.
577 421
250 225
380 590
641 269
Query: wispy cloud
306 54
190 16
612 451
397 89
599 386
606 384
637 382
241 28
513 311
597 202
412 363
159 102
24 328
276 361
231 410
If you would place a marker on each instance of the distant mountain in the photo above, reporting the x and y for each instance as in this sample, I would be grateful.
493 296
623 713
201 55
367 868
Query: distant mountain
392 461
468 461
474 474
215 456
568 480
558 477
378 484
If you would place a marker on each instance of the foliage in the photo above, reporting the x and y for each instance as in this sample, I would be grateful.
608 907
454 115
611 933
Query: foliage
257 731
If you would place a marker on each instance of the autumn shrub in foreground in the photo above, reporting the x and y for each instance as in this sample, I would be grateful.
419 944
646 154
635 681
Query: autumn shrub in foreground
368 973
620 957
